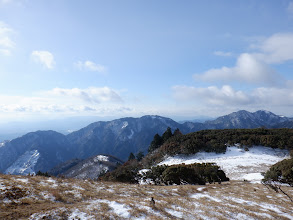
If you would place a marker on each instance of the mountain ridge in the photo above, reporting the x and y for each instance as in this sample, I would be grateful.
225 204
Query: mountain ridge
45 149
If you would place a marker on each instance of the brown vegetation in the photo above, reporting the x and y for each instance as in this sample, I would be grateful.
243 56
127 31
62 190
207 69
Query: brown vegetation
50 198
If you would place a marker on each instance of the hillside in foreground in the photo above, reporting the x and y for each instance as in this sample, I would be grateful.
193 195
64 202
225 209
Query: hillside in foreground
27 197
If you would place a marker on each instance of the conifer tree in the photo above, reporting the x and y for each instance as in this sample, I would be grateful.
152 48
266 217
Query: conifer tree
157 142
139 156
177 132
131 156
167 134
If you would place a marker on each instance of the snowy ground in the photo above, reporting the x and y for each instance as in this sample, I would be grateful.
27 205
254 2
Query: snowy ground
24 197
27 197
237 163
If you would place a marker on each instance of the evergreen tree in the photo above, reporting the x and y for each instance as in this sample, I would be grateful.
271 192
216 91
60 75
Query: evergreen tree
131 156
167 134
177 132
156 143
139 156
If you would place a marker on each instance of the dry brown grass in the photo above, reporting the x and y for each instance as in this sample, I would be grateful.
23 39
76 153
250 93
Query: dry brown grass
40 198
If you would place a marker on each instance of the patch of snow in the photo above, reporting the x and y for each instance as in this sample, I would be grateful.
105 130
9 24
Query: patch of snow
75 193
253 177
242 201
201 195
7 201
48 196
52 182
131 135
275 209
2 187
125 124
174 213
78 187
23 180
25 164
77 215
89 164
52 214
201 189
149 210
2 144
143 181
235 162
240 216
143 171
101 158
119 209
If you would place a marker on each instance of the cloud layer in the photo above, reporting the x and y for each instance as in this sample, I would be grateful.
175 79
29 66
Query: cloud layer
253 70
103 101
227 96
90 95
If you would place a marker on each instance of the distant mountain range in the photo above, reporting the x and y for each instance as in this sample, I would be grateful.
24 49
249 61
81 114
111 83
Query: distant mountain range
43 150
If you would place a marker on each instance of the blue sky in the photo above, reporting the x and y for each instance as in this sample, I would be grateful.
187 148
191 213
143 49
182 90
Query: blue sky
180 59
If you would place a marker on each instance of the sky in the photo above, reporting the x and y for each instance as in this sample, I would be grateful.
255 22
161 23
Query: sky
112 59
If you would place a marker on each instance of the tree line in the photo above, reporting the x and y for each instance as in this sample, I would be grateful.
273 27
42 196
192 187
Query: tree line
206 140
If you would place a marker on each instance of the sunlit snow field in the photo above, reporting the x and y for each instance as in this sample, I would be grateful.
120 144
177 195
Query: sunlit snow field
237 163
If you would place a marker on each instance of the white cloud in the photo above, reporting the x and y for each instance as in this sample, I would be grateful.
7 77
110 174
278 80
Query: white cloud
44 57
6 43
276 49
211 95
262 97
91 95
222 53
255 67
91 66
248 69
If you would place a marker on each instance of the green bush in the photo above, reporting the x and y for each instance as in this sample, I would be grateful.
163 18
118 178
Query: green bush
186 174
280 172
128 173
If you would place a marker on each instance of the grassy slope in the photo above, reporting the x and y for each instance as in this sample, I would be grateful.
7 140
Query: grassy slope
24 197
